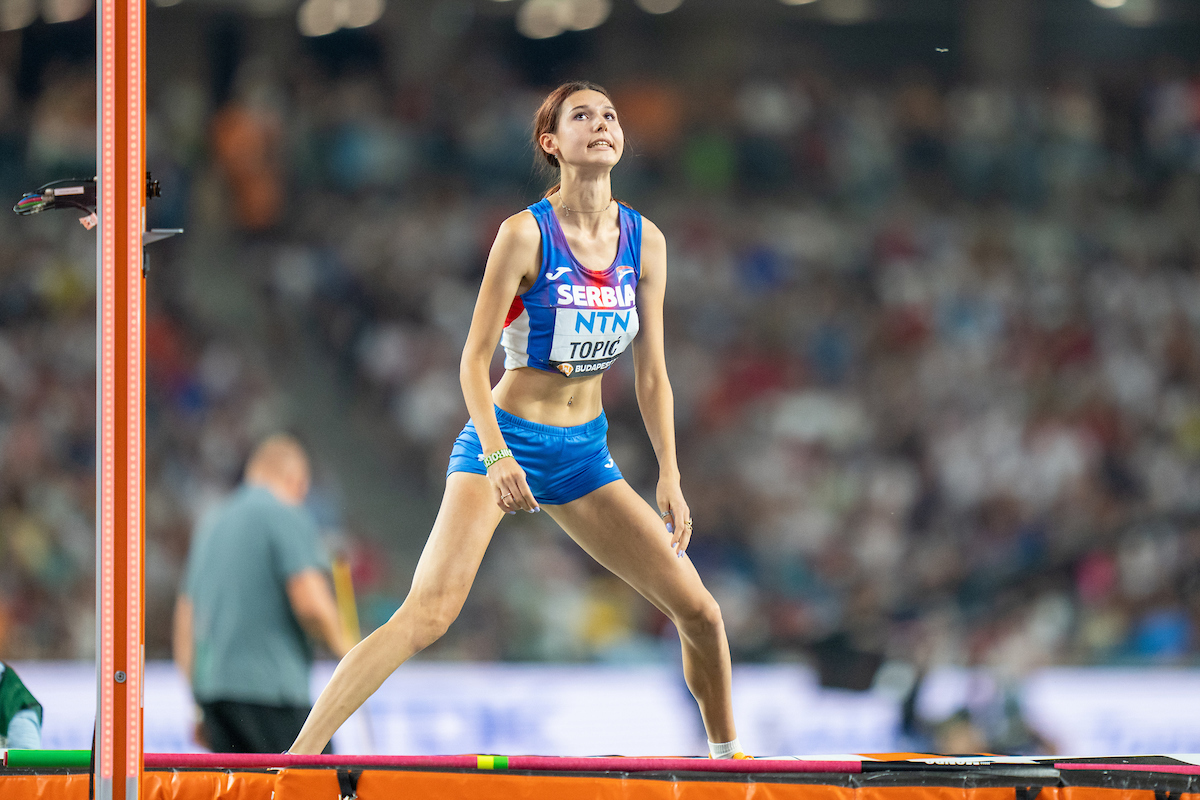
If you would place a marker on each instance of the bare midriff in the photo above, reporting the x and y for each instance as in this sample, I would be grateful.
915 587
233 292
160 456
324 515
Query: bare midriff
548 398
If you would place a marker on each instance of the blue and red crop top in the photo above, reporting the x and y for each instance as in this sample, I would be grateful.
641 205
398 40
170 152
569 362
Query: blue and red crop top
573 320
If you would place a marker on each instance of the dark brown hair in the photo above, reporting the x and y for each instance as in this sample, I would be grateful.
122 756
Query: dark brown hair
546 118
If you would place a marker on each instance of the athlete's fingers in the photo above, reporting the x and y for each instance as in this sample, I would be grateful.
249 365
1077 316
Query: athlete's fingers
528 502
676 516
674 528
682 512
515 493
685 539
516 499
509 485
681 527
507 497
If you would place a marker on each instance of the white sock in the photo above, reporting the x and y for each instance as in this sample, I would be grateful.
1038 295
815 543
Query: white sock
724 749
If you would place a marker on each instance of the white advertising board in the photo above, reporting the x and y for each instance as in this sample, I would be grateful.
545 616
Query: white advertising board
430 708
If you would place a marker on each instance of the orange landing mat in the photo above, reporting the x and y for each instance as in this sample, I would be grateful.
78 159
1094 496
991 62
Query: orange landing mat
974 778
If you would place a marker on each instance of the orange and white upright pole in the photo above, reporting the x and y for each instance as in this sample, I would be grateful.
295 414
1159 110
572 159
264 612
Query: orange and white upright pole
120 396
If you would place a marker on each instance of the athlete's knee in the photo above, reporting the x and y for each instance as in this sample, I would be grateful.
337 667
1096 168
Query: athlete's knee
699 616
426 619
437 617
434 628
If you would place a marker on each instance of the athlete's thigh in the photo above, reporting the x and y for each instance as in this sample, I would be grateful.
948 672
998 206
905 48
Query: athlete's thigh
460 536
615 526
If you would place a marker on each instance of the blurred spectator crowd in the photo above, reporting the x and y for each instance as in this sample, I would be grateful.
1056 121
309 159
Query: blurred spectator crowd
935 350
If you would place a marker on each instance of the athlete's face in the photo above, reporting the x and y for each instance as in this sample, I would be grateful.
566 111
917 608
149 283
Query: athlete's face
588 131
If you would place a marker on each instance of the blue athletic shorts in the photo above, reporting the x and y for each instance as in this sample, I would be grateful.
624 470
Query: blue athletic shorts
561 464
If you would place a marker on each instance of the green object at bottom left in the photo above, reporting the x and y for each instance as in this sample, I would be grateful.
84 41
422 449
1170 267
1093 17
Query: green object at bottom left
48 758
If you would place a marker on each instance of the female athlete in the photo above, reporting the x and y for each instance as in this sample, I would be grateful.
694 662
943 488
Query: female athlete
568 285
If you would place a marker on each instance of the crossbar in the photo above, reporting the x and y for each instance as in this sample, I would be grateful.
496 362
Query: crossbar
539 763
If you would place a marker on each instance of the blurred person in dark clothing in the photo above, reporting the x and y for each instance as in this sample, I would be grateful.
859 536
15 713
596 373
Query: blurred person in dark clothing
255 584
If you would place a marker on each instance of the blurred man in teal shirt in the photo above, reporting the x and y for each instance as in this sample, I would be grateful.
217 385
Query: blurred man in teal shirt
254 590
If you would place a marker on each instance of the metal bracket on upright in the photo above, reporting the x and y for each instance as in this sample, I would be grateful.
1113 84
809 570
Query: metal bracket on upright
80 194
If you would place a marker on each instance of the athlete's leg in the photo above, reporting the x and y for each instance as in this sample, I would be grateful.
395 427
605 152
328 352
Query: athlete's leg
617 528
465 523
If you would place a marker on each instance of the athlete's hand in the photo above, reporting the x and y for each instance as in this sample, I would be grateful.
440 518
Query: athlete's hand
675 513
510 489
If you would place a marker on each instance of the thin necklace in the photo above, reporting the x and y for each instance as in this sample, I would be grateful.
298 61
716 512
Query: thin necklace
577 211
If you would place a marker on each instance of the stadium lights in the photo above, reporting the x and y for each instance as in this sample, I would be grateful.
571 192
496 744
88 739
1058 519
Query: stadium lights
1138 13
323 17
543 19
588 14
659 6
65 10
17 14
846 12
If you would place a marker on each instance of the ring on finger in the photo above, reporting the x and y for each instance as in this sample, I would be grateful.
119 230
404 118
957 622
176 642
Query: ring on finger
506 495
665 514
687 524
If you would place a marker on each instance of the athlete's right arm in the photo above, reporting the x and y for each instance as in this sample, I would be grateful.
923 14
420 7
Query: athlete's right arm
512 265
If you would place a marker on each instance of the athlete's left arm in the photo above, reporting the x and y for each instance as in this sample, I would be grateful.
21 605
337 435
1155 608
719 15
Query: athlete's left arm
653 387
